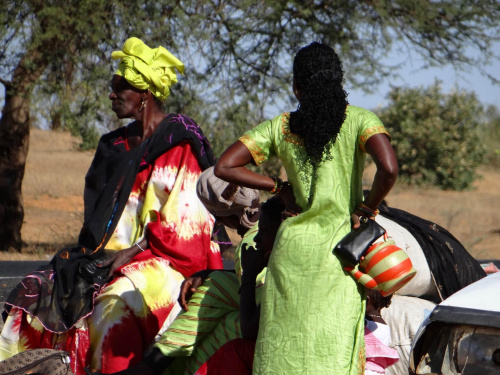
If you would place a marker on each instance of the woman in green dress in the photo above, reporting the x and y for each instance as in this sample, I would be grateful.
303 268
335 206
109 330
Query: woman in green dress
312 312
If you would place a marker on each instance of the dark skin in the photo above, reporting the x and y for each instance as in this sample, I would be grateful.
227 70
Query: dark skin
140 105
373 312
189 286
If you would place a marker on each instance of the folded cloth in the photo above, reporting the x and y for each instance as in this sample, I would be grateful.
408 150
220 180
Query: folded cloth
222 198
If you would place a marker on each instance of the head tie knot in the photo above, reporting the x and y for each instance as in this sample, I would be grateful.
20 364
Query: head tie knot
148 68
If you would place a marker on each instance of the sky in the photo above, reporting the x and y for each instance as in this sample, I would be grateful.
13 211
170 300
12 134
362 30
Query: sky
412 76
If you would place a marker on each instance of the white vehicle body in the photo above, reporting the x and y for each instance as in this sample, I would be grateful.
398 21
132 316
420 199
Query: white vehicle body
462 334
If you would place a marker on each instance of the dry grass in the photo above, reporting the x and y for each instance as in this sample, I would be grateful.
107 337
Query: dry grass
471 216
55 172
52 194
54 168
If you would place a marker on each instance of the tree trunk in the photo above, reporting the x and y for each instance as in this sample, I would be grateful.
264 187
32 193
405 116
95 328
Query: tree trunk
14 142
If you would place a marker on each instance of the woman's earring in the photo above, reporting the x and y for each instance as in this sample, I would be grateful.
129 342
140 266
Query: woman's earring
143 105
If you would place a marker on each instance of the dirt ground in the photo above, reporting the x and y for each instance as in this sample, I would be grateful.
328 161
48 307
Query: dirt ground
55 172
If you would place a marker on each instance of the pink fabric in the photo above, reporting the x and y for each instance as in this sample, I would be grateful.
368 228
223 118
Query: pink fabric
490 268
379 355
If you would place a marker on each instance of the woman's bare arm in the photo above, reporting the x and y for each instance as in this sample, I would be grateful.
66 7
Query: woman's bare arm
379 147
231 167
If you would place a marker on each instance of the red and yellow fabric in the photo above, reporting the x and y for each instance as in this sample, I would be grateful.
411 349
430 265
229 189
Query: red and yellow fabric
140 302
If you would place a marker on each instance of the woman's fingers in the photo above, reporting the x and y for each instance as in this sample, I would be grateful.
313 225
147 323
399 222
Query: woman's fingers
288 213
288 198
105 263
110 273
115 262
184 293
108 262
355 221
196 283
188 287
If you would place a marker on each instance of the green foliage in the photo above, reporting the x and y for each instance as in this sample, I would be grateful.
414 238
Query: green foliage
239 51
435 136
490 136
232 120
90 138
222 120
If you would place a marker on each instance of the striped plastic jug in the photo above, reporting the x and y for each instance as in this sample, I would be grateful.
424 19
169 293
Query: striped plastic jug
385 267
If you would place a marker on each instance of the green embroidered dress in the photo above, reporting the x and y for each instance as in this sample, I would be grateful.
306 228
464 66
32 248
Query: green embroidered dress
312 313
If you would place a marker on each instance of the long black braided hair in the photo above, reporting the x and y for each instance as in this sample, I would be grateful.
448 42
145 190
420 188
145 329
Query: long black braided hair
318 75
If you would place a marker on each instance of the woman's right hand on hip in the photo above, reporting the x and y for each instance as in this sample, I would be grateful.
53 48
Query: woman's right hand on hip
288 198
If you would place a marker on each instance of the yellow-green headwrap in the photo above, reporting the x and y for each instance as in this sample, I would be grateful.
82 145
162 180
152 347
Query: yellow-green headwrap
148 68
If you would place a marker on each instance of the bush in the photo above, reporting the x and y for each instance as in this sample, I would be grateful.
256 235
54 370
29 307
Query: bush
435 135
490 136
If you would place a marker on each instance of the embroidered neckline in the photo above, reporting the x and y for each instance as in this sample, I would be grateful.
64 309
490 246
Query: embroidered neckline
288 135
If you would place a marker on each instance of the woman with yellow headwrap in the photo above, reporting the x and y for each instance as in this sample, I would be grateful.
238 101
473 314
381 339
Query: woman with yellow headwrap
144 230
